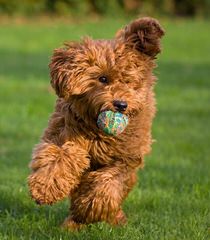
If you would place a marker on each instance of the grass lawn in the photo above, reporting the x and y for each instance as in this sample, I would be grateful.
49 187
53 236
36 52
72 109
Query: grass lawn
172 198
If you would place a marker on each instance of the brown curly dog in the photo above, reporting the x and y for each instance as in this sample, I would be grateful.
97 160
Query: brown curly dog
75 157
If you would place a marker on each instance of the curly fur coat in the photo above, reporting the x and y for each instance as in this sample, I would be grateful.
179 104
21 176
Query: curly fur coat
74 157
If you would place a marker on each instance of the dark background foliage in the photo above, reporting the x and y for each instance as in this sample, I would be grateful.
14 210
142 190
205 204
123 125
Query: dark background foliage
191 8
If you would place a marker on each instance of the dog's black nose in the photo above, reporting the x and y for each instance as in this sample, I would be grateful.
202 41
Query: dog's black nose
120 105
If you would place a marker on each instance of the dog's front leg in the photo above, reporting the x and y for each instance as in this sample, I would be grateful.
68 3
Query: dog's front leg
56 171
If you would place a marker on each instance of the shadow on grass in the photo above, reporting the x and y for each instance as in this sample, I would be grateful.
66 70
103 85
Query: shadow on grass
25 220
17 205
22 65
183 75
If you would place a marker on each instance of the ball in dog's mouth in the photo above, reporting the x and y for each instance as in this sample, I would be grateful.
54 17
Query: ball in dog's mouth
112 123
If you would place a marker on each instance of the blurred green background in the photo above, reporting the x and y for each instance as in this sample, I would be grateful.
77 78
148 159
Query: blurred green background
172 197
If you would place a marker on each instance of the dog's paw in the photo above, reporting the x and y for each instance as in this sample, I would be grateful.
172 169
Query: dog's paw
120 219
45 190
72 226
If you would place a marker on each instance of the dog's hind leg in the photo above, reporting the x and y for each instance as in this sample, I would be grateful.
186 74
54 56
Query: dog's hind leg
99 196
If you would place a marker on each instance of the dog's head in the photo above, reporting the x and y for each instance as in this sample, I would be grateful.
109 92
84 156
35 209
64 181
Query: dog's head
98 75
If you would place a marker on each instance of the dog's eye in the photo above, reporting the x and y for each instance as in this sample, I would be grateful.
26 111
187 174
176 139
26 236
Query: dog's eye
103 79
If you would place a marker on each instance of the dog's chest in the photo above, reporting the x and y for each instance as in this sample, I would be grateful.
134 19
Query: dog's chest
103 152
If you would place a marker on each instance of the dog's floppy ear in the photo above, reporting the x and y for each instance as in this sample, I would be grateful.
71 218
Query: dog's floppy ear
143 35
61 68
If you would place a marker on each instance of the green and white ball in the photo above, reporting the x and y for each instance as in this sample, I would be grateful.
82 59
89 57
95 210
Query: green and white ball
112 123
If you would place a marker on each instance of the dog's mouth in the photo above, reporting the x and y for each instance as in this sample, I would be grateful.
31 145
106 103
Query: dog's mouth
129 113
104 110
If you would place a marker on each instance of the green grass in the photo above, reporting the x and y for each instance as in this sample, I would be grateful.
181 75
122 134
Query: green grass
172 198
